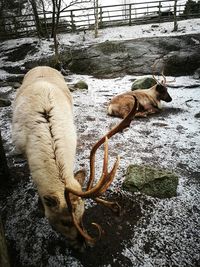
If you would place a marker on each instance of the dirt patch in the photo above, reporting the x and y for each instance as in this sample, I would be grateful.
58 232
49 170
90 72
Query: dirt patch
118 231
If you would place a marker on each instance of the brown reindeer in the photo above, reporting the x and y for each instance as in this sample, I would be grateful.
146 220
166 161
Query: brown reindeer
149 100
44 131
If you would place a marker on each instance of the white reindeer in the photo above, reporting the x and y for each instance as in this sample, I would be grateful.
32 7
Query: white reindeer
44 131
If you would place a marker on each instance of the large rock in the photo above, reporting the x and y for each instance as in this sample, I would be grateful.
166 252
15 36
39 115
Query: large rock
151 181
178 55
143 83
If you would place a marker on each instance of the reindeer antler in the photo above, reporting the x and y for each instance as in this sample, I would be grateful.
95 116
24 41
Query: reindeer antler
164 82
118 128
104 182
105 179
153 70
76 224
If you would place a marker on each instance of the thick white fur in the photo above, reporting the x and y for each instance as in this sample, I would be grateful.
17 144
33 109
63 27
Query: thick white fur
49 146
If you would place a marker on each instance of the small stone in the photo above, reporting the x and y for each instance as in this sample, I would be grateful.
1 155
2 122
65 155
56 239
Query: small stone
197 115
81 85
4 102
143 83
197 74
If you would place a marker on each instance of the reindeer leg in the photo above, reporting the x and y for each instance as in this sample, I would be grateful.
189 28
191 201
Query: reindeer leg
41 207
148 109
141 114
153 110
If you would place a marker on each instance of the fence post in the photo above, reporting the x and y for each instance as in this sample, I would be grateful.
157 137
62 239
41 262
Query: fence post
159 12
73 26
15 26
96 18
130 7
100 18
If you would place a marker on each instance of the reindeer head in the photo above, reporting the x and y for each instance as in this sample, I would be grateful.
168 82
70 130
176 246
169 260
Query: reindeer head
58 215
161 89
65 211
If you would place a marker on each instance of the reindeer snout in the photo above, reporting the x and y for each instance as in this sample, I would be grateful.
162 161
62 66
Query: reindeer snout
168 98
79 244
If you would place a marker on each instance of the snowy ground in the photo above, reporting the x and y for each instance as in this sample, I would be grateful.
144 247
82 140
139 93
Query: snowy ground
167 232
151 232
132 32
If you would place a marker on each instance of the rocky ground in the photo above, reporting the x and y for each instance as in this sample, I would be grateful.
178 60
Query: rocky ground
175 55
150 231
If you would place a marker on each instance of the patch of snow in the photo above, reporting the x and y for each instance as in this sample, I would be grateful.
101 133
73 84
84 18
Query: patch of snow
131 32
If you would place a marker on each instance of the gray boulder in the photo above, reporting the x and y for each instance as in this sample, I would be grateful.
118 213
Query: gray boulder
151 181
178 55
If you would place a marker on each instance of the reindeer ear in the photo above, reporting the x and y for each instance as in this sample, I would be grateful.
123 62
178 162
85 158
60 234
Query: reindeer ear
80 176
160 88
51 201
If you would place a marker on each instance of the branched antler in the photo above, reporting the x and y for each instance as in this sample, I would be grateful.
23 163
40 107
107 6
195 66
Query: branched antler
164 82
118 128
105 179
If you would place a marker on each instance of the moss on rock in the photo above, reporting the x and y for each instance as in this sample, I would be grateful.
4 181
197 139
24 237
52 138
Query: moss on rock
143 83
81 85
151 181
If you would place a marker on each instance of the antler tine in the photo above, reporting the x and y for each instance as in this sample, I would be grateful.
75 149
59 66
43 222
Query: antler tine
105 160
156 80
153 70
103 182
76 224
113 205
164 81
110 177
121 126
172 81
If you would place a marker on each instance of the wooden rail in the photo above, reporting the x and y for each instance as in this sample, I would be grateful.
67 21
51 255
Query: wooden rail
81 19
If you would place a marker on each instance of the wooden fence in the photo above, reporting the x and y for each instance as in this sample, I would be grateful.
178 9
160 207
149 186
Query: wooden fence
82 19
